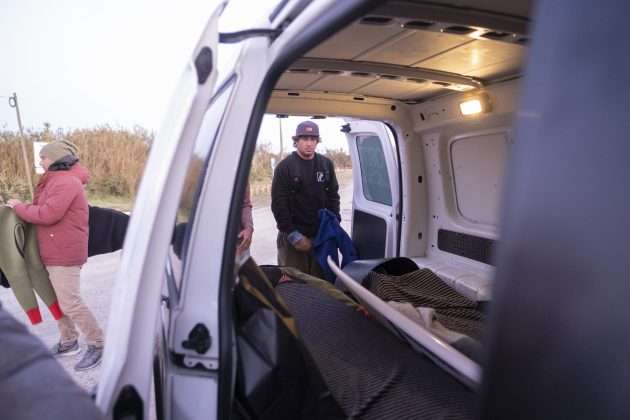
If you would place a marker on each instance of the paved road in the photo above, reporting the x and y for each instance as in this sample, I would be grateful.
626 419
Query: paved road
99 274
97 279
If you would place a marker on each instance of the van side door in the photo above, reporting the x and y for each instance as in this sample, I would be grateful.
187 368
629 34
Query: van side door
376 197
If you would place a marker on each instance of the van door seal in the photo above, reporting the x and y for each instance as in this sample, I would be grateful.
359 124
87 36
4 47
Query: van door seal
399 210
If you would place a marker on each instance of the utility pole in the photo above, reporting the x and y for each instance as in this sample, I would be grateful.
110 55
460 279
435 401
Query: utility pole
281 145
13 103
280 117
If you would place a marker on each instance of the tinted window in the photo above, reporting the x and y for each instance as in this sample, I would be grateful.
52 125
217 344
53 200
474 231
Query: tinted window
194 181
374 176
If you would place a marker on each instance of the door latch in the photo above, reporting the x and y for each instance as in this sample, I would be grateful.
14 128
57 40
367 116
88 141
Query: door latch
199 339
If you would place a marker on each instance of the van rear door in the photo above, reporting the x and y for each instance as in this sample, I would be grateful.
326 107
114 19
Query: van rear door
125 383
187 216
376 197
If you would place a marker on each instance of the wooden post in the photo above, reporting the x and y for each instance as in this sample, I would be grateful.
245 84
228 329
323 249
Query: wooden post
281 143
27 166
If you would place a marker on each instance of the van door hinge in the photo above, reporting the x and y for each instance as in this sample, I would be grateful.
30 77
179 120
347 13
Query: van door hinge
199 339
234 37
203 65
345 128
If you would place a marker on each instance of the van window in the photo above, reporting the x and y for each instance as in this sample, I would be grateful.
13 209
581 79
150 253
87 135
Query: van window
374 177
194 180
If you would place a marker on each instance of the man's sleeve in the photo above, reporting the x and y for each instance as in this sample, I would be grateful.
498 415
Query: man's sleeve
247 219
333 194
281 200
33 385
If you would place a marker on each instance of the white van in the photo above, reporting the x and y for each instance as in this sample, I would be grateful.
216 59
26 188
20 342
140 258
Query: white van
489 142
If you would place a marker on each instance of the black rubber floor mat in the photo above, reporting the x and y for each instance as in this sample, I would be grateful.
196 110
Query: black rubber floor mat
371 373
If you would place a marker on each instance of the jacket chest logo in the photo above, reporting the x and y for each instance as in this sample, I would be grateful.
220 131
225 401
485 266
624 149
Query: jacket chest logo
320 177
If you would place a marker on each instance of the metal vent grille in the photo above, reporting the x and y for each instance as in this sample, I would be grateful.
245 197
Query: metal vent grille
468 246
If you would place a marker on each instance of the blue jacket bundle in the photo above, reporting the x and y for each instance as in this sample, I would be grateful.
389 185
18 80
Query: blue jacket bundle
330 238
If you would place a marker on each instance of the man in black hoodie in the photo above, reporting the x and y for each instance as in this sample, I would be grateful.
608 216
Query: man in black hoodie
303 183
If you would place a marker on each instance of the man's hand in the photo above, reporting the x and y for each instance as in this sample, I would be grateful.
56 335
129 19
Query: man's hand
244 239
303 244
12 202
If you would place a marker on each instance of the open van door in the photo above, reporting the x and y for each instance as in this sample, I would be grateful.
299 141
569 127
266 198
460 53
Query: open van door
125 383
376 197
178 266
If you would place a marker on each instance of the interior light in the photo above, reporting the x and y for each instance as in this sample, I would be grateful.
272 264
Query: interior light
475 106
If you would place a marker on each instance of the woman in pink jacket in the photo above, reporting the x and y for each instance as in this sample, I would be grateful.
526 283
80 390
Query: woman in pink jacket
60 211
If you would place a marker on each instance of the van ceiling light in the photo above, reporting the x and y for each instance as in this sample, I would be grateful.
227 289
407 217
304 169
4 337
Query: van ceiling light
475 106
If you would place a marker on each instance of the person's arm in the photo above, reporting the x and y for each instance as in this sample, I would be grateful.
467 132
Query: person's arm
281 200
246 210
59 198
33 385
244 238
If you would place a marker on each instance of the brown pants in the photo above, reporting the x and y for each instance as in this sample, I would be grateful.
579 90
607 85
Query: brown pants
66 282
288 256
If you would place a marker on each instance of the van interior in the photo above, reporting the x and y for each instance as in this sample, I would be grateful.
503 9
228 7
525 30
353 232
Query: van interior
429 93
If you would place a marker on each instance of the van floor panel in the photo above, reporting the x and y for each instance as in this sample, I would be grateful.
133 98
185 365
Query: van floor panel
371 373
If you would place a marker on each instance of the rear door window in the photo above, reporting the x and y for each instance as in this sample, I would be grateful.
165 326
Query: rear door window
374 176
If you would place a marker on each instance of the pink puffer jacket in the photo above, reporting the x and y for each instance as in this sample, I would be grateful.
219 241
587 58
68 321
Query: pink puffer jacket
60 211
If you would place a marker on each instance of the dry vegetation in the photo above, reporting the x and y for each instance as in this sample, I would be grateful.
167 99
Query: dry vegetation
116 160
115 157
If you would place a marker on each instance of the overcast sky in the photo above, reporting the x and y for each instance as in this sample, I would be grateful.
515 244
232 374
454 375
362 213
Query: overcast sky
80 64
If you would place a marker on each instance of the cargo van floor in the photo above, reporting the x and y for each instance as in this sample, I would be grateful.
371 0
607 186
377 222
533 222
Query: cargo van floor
371 373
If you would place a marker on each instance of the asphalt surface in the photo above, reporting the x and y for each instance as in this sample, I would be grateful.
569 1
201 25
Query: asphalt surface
97 279
99 275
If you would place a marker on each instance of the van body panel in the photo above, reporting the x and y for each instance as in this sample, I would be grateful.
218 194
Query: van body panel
134 315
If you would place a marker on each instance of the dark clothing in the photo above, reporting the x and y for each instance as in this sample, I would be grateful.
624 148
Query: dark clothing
330 238
300 188
32 384
289 256
107 230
